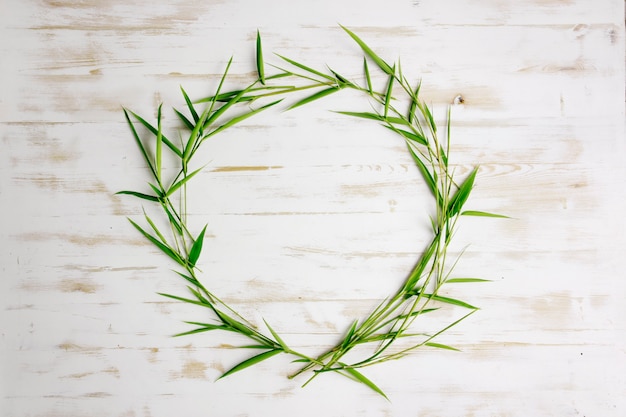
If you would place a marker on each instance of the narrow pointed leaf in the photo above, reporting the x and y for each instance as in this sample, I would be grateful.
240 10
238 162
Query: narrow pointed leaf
314 97
184 119
363 115
140 195
441 346
259 59
348 338
180 183
159 142
280 341
361 378
461 195
243 117
204 328
462 280
483 214
251 361
430 181
368 78
192 280
166 249
308 69
154 131
449 300
190 106
140 144
388 94
409 135
185 300
196 249
368 51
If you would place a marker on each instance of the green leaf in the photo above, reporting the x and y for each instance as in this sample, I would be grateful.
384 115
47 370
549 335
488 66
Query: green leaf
196 249
192 280
184 119
140 195
348 338
205 328
388 94
368 78
190 106
280 341
304 67
483 214
154 131
363 115
159 142
259 58
314 97
140 144
166 249
460 197
361 378
186 300
441 346
251 361
368 51
447 300
430 181
461 280
180 183
341 80
408 135
242 117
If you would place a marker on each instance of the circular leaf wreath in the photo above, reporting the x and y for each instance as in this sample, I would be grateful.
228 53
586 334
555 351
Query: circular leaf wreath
392 320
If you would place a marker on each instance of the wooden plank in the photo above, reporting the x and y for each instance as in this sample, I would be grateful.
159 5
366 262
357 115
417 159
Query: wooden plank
312 217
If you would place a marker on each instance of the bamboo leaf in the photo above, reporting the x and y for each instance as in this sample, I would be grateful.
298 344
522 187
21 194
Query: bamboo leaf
164 248
462 280
313 97
196 249
446 300
243 117
483 214
368 78
361 378
259 58
460 197
192 280
140 195
180 183
205 328
159 142
251 361
184 119
280 341
441 346
307 69
348 338
408 135
190 106
363 115
430 181
368 51
140 144
186 300
388 94
154 131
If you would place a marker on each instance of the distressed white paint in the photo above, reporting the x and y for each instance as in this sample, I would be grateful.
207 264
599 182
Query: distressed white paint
332 227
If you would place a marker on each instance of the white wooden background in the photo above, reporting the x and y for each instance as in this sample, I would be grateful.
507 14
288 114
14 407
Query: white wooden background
312 217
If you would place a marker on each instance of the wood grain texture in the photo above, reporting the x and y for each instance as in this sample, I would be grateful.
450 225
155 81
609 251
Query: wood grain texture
312 218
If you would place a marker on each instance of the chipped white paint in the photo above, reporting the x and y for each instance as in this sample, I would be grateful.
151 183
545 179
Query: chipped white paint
328 214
